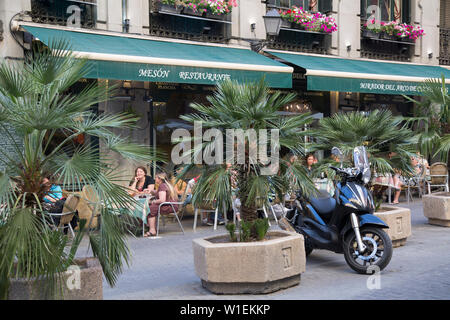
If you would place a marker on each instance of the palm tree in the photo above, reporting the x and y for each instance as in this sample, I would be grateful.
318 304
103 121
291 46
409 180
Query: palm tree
431 120
249 106
380 132
35 102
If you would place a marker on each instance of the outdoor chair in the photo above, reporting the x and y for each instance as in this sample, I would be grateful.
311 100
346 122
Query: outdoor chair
416 181
67 214
438 176
90 206
211 208
174 213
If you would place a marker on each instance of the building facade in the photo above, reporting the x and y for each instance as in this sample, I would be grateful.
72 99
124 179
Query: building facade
164 56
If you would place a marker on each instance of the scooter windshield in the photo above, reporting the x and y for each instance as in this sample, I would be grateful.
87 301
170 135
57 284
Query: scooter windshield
360 158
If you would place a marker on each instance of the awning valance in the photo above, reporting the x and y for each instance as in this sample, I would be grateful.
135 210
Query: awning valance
127 57
352 75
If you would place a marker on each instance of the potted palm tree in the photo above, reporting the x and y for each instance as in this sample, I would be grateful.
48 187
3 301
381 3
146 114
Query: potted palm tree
431 123
249 261
381 133
36 103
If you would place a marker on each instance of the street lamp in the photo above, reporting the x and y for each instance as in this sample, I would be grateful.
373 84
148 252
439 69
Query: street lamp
272 23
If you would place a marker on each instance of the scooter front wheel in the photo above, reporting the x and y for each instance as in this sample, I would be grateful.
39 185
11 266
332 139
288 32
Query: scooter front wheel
378 251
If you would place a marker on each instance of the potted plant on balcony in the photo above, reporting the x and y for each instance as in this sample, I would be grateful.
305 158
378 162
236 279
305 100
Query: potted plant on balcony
36 104
224 265
371 29
169 6
304 20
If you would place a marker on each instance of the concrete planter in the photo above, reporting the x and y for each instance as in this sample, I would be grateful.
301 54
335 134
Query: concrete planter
436 207
89 286
399 221
250 267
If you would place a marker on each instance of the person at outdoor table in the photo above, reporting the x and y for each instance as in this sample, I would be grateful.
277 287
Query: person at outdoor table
396 182
53 191
310 160
165 193
180 186
141 183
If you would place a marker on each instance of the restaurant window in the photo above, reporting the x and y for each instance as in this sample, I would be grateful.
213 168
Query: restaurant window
388 10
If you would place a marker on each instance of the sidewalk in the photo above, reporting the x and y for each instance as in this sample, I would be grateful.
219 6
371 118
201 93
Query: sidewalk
163 268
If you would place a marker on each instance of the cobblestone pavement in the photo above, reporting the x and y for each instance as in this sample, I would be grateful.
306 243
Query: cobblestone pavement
163 268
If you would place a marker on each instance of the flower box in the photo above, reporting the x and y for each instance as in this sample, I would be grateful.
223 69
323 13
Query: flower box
386 36
286 24
192 12
221 17
167 8
370 34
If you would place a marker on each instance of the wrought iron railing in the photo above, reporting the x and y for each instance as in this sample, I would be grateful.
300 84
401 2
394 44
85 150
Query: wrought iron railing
444 47
301 41
64 12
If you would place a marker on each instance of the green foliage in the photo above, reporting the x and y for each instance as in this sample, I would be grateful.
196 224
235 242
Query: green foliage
248 106
245 231
36 103
231 228
380 132
261 226
431 120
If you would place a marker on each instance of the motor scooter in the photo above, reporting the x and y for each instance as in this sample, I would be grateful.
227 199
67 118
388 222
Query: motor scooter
345 223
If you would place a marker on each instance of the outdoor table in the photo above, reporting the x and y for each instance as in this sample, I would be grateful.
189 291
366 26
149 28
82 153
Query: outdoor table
140 212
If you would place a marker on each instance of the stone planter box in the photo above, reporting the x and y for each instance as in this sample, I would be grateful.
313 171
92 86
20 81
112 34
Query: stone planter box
436 207
250 267
90 285
399 221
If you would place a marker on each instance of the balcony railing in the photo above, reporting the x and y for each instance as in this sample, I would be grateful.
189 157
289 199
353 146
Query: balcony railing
182 23
292 38
444 47
64 12
383 47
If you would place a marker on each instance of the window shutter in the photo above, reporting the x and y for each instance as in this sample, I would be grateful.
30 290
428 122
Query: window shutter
406 11
325 6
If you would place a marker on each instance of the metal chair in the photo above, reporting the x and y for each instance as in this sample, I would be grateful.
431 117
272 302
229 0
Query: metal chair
416 181
438 176
206 209
175 213
67 214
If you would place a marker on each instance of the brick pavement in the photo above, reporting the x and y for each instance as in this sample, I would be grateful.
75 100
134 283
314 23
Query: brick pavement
163 268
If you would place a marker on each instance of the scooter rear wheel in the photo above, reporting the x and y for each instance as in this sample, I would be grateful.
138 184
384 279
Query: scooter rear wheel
377 255
308 246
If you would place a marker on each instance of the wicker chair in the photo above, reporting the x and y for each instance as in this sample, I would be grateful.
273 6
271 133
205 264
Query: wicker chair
438 176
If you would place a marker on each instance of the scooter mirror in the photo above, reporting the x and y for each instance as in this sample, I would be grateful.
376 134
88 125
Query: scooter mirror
337 152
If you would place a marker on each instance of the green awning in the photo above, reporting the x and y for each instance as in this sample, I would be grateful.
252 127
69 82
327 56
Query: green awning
129 57
352 75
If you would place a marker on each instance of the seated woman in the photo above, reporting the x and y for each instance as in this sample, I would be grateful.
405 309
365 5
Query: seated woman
142 183
53 192
165 193
180 186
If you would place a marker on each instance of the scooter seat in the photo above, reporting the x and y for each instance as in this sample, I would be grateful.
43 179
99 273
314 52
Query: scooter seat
324 206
